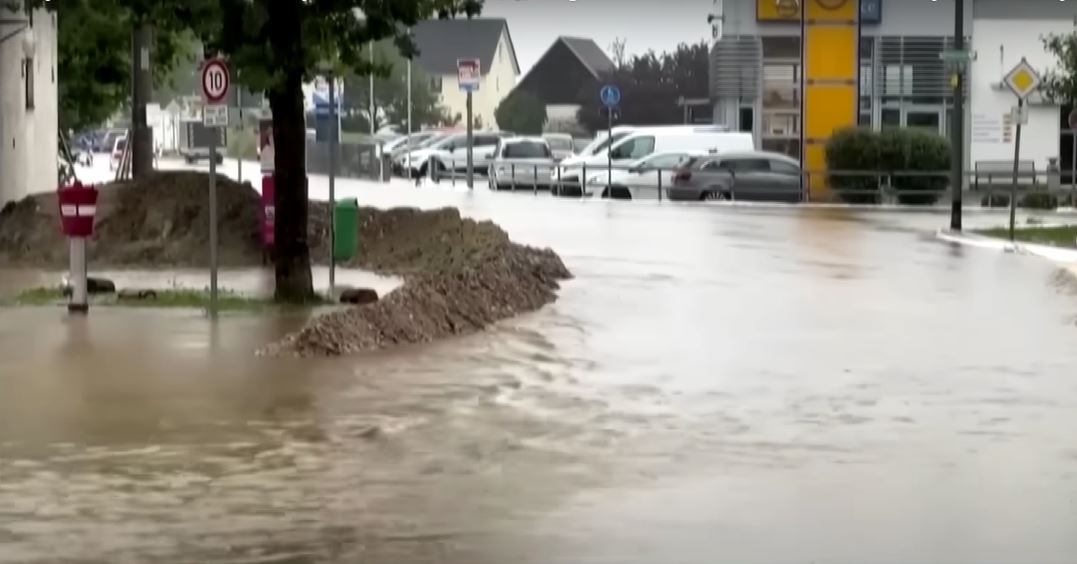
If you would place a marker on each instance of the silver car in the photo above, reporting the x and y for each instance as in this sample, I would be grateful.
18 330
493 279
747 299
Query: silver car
521 163
560 144
756 176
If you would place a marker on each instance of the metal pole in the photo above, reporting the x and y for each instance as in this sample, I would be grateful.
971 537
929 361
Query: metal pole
332 184
470 142
239 156
1073 167
140 140
213 222
609 153
1016 159
957 177
408 141
79 296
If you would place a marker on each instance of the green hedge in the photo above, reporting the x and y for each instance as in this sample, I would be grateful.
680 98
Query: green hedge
861 149
1032 201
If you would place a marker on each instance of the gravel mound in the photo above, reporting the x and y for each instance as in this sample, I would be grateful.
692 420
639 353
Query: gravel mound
460 275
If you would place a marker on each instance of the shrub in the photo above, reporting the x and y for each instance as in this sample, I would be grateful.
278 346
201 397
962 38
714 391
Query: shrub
854 148
1039 201
888 151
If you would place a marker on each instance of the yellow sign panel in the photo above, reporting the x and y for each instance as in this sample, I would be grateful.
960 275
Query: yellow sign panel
830 52
777 10
832 9
1022 79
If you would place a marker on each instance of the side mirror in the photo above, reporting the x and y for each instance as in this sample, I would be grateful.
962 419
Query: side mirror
452 148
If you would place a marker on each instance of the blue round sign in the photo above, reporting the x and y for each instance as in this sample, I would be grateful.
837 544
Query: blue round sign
610 95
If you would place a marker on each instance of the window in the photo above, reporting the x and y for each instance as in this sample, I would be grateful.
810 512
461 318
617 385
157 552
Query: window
526 150
891 117
923 120
898 80
713 164
560 143
601 147
665 161
28 72
748 165
746 119
783 167
634 148
486 140
785 146
781 124
435 84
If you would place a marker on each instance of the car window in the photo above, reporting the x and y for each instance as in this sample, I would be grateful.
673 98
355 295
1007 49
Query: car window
665 161
486 140
784 167
748 165
634 148
526 150
601 147
712 164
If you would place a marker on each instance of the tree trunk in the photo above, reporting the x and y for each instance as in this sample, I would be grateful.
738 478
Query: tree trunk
141 136
292 253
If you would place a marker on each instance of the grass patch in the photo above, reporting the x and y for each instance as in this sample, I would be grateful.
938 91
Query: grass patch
1059 236
173 298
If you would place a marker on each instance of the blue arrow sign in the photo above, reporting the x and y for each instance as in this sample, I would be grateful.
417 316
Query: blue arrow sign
610 95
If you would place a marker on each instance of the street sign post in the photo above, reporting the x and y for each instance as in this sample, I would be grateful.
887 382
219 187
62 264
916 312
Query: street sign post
215 83
1072 121
468 76
1022 80
610 96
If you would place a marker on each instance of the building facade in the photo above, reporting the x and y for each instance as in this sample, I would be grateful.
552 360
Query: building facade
28 103
442 42
793 71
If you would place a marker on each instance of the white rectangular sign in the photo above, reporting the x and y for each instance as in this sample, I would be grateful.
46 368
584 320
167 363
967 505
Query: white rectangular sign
215 116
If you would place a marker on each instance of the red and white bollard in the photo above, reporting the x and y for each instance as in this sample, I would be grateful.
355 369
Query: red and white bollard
78 207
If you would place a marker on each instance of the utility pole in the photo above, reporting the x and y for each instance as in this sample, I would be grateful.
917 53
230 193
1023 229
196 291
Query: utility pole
335 124
141 136
408 142
470 144
957 133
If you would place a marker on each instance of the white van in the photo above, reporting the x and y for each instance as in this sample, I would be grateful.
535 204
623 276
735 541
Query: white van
640 143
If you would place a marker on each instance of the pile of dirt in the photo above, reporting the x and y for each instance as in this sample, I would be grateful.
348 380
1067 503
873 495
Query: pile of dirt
460 275
161 221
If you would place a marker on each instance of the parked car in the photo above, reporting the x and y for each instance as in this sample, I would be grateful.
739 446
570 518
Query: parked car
560 144
521 163
640 179
643 142
750 175
449 154
107 142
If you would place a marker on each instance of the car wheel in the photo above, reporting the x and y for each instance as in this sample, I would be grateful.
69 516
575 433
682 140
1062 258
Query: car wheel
715 196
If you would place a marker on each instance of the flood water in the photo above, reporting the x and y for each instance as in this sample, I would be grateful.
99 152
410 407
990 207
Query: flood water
718 384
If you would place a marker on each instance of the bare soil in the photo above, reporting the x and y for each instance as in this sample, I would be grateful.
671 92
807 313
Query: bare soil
461 275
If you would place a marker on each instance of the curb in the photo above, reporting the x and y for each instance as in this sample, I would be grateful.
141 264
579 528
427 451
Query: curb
1055 254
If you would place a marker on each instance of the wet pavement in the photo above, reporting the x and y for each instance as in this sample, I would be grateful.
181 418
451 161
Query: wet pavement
718 384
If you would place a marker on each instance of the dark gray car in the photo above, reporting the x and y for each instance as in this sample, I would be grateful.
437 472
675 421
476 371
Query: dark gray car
756 176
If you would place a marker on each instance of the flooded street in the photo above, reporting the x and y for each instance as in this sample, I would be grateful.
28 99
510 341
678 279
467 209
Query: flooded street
718 384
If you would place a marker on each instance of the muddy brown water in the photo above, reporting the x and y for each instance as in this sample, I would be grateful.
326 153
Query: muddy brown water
716 385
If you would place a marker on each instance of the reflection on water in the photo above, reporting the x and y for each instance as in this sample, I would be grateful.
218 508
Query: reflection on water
715 385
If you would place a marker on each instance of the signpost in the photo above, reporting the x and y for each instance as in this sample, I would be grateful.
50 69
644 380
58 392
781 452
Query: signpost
215 82
610 96
1022 80
468 76
1072 121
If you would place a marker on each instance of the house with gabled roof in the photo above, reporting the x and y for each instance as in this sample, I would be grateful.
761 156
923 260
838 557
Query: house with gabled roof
570 68
442 42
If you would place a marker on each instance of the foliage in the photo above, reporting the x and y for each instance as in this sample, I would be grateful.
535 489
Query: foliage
391 94
651 85
1060 84
94 58
521 112
1039 201
1060 236
894 150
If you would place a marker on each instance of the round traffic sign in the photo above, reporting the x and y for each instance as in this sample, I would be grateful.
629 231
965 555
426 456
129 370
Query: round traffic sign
1072 119
610 95
215 81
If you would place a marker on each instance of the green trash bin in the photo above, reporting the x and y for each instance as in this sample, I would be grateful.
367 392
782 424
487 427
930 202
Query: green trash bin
347 222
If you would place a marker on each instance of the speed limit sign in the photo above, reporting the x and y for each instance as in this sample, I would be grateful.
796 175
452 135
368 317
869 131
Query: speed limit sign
215 81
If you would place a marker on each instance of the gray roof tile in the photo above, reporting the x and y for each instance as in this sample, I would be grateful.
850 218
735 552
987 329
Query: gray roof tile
442 42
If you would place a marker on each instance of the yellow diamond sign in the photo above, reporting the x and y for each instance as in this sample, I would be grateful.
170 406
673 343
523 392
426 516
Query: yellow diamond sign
1023 79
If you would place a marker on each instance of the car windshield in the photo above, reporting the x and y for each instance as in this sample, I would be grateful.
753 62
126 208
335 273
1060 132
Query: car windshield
606 142
526 150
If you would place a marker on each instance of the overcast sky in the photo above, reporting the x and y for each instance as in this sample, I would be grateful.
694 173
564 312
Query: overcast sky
644 24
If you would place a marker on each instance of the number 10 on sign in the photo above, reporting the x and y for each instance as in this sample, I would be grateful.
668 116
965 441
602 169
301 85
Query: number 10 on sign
215 81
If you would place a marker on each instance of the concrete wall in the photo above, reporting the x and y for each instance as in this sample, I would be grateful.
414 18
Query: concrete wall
496 83
1000 44
28 137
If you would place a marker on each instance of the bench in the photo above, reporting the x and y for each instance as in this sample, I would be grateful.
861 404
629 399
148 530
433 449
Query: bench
1000 173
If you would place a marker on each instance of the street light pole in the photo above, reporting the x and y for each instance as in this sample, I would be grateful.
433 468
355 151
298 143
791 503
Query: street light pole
957 133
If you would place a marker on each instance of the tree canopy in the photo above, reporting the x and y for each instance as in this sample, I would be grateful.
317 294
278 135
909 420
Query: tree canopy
390 93
521 112
651 85
1060 84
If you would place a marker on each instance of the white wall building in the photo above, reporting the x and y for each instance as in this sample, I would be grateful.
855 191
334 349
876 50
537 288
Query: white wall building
442 42
28 103
1002 33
